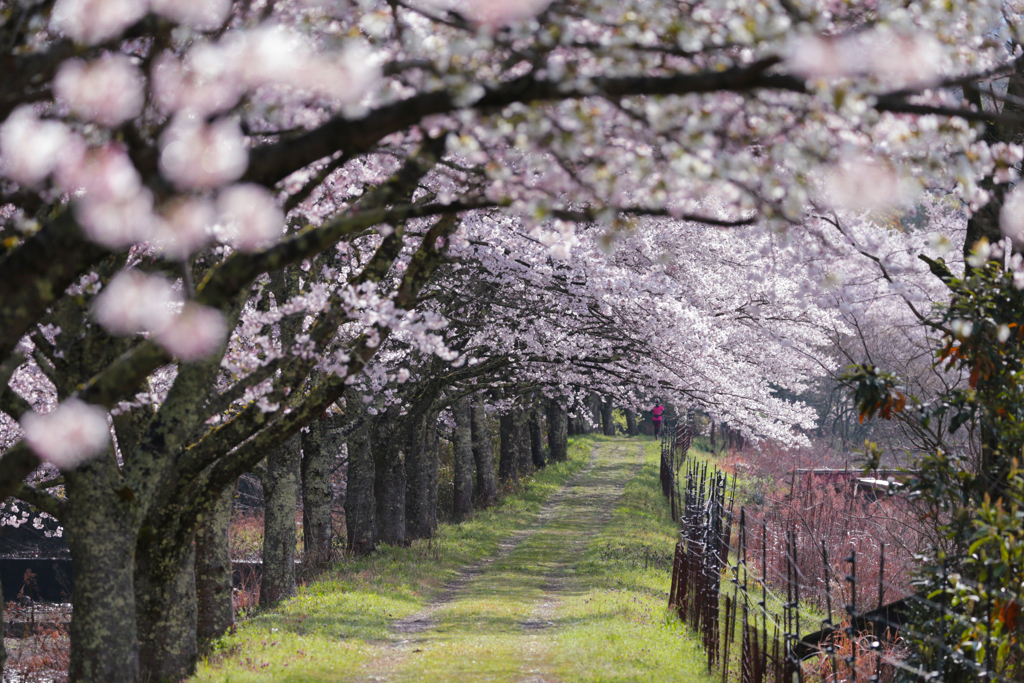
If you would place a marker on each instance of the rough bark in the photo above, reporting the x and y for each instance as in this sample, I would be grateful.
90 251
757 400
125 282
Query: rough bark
462 442
360 508
101 529
320 449
417 481
486 489
594 404
558 436
630 423
389 494
214 609
607 417
3 634
165 593
432 466
280 499
508 464
536 439
524 460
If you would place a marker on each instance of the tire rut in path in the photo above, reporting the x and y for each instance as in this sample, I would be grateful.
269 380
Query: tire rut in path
560 533
424 619
558 579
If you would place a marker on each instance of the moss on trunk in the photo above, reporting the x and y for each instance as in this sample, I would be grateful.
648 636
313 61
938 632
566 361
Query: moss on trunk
214 609
281 497
462 441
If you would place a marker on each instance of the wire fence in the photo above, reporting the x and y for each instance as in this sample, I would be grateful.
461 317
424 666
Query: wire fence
743 586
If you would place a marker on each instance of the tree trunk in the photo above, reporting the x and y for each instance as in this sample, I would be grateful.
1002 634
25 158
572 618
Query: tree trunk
508 465
320 448
486 489
630 423
558 437
432 446
607 416
536 439
594 403
3 634
421 471
389 494
462 443
101 529
165 590
280 499
713 437
360 508
214 584
525 460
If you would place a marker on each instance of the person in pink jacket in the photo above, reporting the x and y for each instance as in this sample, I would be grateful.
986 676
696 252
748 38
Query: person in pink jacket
656 418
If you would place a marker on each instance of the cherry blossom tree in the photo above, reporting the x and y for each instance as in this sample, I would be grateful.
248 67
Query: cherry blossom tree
220 217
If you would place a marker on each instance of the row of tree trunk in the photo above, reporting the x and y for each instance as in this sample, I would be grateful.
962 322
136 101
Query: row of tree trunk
160 607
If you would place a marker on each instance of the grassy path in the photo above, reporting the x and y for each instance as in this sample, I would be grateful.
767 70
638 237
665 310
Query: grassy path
575 593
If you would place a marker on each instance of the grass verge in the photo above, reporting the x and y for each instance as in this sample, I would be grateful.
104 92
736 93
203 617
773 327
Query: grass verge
337 622
620 626
581 598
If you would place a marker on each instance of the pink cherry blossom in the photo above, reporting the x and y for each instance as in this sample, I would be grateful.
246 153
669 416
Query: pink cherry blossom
30 147
250 219
819 57
861 183
104 173
194 333
203 15
202 156
186 226
93 21
492 14
69 435
135 302
1011 217
107 90
117 222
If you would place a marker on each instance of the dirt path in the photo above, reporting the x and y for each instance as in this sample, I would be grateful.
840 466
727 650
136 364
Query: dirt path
496 619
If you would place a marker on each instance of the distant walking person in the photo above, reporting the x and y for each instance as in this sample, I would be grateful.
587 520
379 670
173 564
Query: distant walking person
656 419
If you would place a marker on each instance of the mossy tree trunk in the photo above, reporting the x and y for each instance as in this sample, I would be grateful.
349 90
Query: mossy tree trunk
525 461
508 464
535 427
280 499
101 527
418 514
558 434
3 634
214 582
321 446
360 508
630 423
389 491
608 416
165 590
594 406
432 463
462 443
483 456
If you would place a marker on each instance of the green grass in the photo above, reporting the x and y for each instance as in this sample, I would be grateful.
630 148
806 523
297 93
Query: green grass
623 628
593 574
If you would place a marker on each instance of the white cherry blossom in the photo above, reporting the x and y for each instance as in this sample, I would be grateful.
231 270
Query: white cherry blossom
107 90
194 333
135 302
69 435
